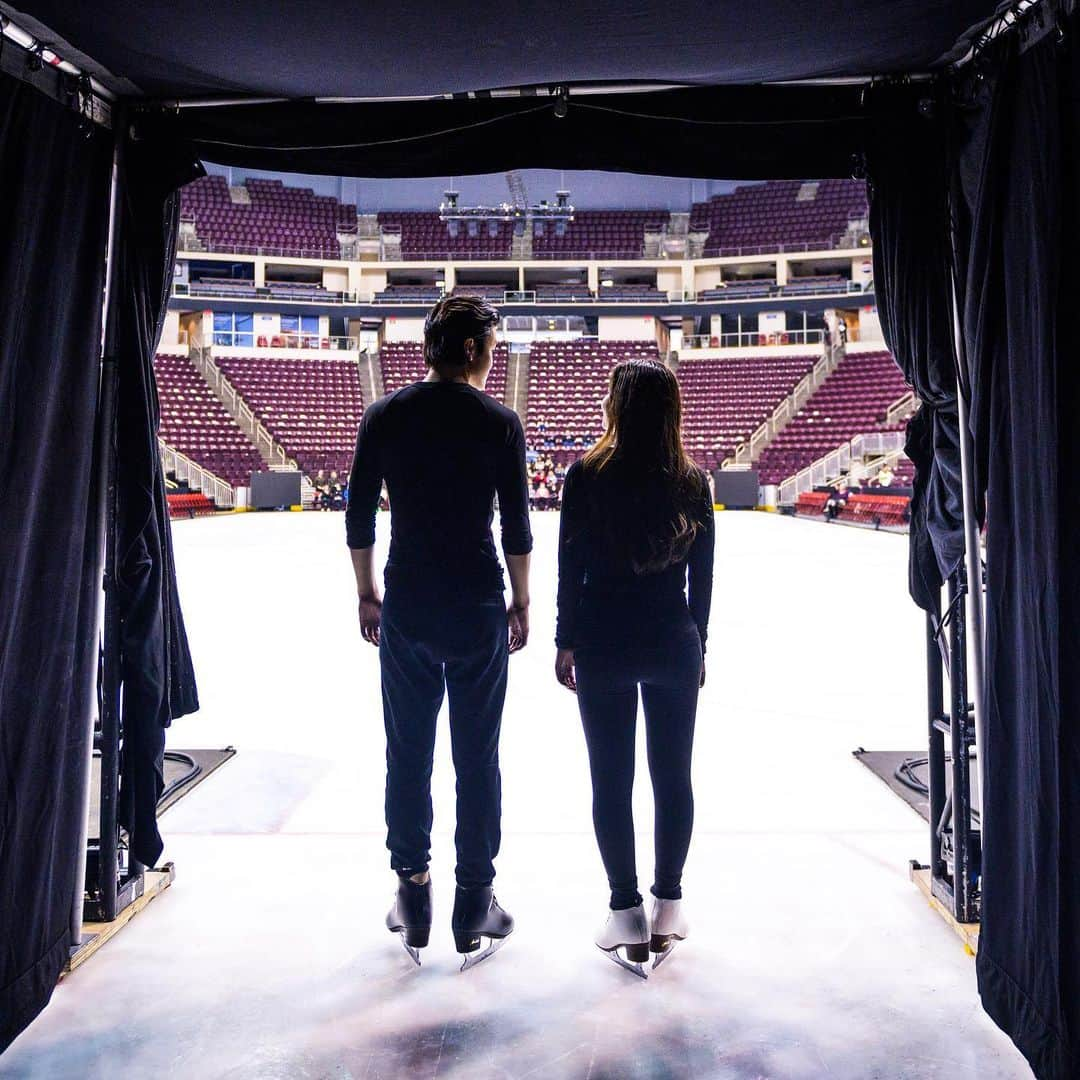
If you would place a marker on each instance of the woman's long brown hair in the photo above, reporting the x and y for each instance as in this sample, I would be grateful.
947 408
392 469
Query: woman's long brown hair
655 522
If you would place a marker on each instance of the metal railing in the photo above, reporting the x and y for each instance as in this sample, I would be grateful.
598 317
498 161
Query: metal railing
246 339
785 412
183 468
903 408
444 256
887 445
271 451
794 289
876 443
751 338
272 251
251 291
832 242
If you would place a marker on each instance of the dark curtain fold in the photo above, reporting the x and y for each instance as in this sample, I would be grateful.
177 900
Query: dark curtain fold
1018 176
909 222
54 184
158 683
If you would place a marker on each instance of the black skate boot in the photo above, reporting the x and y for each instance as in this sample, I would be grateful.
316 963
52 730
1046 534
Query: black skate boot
411 916
477 915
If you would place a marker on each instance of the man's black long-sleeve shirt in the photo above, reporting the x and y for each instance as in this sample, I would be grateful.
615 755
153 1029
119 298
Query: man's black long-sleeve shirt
602 602
445 450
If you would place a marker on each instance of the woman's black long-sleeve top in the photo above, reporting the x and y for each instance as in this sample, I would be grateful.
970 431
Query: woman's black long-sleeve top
602 601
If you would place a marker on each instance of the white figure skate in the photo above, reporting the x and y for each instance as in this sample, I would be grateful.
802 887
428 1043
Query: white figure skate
669 927
629 930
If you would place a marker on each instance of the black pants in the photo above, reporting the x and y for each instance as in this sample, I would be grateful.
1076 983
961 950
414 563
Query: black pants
607 687
424 648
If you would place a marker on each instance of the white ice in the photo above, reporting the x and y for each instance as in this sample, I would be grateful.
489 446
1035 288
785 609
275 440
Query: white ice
811 954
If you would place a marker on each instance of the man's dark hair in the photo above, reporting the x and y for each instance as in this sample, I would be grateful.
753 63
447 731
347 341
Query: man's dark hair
450 323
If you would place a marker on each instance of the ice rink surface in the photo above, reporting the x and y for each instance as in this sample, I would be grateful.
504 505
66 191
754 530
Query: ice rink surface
811 954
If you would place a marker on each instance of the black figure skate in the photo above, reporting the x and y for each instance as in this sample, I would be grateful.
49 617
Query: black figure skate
411 916
477 915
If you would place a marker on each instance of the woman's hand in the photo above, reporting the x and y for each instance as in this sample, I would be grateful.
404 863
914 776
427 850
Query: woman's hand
564 668
370 617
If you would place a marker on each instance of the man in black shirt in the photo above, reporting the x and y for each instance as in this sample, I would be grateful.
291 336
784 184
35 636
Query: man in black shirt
445 449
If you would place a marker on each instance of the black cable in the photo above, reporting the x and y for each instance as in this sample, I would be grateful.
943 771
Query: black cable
180 781
905 774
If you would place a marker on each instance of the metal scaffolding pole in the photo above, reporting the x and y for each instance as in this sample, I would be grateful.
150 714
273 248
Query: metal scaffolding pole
972 550
103 454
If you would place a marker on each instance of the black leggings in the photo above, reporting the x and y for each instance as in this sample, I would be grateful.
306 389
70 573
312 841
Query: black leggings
607 683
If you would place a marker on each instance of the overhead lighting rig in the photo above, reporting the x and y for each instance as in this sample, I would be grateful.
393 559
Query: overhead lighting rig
560 210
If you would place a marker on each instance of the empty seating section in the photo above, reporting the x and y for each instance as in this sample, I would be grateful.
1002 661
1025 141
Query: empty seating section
312 407
567 382
194 422
562 293
631 294
409 294
852 401
761 216
725 401
811 504
403 363
424 236
816 284
242 288
867 508
609 234
740 290
189 505
228 287
488 292
277 218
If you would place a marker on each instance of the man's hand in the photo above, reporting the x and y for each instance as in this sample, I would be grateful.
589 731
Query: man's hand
564 668
517 620
370 617
701 681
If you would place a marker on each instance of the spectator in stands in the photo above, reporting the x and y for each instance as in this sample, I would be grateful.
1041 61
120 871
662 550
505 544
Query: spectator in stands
885 476
322 490
836 501
636 522
443 624
334 492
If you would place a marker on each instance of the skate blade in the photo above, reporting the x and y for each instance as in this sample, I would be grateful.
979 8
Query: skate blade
628 965
413 952
664 953
472 959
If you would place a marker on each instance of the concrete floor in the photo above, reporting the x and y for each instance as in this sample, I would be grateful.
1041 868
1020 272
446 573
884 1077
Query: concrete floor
811 954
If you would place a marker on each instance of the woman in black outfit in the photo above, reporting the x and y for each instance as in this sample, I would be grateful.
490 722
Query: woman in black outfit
637 525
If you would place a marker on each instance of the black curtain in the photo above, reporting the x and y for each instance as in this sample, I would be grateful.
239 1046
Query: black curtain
1018 176
737 132
158 683
54 184
909 222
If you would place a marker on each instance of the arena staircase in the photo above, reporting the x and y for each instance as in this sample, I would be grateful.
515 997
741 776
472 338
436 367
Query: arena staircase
517 384
270 450
786 410
854 415
521 247
371 380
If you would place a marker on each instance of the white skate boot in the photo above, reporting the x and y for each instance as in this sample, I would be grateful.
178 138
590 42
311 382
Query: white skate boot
627 929
669 927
